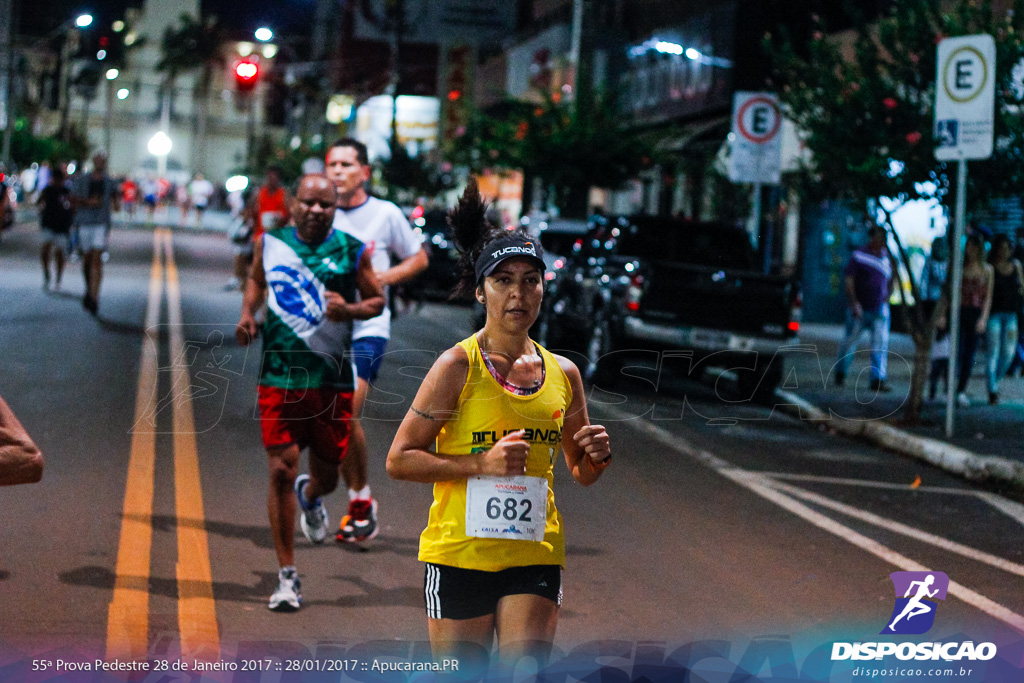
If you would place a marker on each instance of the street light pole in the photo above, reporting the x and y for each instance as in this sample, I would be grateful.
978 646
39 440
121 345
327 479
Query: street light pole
9 109
108 117
65 86
250 132
165 126
81 22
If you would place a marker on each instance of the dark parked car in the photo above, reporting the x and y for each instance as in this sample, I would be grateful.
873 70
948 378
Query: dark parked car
659 283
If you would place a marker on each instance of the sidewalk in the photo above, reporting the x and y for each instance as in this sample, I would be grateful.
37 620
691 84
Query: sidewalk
170 217
163 217
986 445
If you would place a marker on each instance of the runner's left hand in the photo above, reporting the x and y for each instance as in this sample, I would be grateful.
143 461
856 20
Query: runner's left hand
595 443
337 308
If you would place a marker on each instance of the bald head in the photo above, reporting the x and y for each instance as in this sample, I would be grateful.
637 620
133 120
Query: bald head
315 182
314 207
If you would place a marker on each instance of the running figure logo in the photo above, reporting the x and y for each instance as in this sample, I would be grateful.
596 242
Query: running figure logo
914 612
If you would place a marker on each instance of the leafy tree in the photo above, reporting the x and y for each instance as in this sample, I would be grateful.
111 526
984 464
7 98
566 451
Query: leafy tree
865 111
407 177
27 148
193 45
571 148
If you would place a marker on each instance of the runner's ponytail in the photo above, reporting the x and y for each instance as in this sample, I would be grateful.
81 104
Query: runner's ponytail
470 231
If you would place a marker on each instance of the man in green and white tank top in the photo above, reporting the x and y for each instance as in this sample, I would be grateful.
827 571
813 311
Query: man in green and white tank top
309 274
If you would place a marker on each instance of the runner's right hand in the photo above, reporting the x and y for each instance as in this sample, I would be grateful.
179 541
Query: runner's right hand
506 458
246 331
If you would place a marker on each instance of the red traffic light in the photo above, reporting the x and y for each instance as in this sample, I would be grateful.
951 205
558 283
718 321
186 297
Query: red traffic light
246 75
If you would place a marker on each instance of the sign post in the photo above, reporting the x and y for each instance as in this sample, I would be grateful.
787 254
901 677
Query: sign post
756 154
964 119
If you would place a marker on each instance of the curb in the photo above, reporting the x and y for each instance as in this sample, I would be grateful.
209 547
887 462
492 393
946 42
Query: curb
953 459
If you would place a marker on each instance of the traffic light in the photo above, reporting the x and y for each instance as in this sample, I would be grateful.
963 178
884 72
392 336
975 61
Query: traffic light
246 75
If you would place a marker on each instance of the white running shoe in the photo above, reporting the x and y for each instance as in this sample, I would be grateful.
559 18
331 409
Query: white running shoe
287 597
314 515
962 400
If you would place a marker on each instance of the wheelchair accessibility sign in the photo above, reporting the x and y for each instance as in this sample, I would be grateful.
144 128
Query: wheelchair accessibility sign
965 98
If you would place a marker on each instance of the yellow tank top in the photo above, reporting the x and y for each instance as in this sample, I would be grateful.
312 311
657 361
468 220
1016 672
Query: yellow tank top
486 412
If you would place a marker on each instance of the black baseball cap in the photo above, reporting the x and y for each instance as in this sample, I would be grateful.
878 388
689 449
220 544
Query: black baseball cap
513 246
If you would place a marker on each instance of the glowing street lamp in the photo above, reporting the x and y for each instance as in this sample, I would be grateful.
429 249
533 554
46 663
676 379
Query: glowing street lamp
236 183
112 74
83 20
160 146
263 34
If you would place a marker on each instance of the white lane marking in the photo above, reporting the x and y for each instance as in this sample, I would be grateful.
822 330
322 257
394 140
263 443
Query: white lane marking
899 528
761 485
868 483
1007 507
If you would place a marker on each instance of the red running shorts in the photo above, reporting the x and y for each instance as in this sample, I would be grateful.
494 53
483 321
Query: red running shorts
319 419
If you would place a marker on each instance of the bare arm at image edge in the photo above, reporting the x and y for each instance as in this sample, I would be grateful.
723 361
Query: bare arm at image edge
20 459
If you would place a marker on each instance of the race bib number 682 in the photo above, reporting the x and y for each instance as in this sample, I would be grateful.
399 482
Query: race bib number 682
506 507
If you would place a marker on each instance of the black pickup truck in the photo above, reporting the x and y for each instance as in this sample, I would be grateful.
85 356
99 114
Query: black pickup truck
666 284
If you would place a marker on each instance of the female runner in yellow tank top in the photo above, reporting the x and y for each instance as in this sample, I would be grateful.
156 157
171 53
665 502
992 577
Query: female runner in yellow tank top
484 428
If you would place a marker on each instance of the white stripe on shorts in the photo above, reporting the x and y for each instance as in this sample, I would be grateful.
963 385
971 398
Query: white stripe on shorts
431 589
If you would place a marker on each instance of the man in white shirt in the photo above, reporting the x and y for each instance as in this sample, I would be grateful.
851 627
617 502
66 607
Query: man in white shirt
200 190
382 227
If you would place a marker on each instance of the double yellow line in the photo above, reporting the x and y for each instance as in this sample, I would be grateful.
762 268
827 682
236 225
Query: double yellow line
128 613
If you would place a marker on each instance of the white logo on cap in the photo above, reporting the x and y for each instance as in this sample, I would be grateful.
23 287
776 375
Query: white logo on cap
528 249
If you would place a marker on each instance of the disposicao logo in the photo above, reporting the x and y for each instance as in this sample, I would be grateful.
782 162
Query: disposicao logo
914 614
916 595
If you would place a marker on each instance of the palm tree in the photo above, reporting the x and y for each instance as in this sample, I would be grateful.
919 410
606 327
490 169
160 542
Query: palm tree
194 44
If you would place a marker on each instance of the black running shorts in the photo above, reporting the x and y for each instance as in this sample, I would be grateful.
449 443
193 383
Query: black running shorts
454 593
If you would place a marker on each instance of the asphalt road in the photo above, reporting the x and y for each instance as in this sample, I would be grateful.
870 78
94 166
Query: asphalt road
718 521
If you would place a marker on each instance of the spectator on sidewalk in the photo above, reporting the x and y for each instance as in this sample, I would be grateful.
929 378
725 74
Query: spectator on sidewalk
1017 364
940 363
975 305
933 279
1007 296
934 274
869 283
